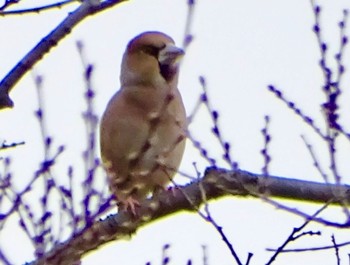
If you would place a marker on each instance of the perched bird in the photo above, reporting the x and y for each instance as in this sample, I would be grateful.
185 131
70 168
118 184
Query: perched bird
143 129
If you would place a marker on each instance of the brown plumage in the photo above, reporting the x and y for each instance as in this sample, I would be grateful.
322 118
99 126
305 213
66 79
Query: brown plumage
143 129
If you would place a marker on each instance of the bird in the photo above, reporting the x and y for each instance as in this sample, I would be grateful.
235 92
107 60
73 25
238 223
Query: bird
143 129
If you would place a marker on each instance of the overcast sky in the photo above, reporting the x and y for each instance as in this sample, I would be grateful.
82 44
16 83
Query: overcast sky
240 47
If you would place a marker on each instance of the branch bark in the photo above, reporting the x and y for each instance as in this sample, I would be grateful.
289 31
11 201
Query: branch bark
216 183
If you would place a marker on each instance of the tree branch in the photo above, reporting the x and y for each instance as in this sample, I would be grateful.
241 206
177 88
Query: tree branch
215 184
87 8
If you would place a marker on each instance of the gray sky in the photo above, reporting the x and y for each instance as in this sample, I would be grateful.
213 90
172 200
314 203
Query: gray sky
240 47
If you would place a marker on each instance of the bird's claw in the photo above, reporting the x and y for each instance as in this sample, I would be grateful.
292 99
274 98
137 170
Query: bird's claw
130 204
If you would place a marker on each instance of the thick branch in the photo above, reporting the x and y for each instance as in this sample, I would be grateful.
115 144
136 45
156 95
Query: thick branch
87 8
216 183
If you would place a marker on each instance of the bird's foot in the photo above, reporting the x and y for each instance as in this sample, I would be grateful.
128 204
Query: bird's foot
129 205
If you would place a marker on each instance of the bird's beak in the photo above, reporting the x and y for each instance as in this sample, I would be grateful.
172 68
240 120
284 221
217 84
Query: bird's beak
170 54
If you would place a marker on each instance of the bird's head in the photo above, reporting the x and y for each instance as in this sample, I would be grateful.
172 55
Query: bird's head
151 58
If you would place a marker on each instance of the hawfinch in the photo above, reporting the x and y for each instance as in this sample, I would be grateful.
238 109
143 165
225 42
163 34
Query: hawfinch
143 129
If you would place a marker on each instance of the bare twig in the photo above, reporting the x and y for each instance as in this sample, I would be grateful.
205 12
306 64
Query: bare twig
5 145
265 151
37 9
8 3
87 8
295 236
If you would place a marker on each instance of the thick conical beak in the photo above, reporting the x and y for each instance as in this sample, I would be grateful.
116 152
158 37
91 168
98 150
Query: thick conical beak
170 54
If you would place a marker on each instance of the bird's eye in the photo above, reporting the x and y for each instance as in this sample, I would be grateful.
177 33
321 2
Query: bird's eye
151 50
